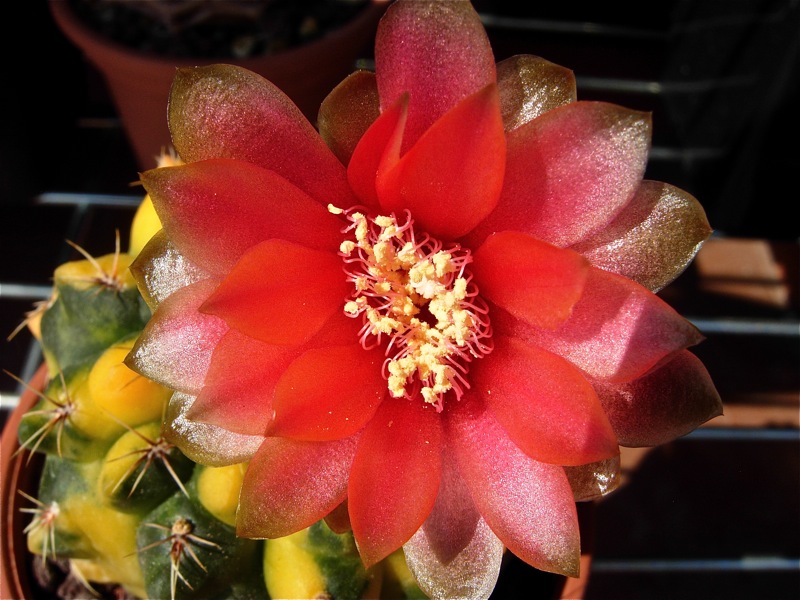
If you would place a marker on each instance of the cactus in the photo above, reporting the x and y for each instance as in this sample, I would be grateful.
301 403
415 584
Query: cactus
125 506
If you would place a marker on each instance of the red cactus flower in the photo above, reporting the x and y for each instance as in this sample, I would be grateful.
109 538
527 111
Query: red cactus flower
433 321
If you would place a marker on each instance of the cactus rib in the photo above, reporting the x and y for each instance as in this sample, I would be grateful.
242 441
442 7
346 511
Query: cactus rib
157 450
59 416
181 539
39 308
44 517
105 279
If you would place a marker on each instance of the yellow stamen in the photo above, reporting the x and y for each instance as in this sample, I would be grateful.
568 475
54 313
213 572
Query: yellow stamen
418 295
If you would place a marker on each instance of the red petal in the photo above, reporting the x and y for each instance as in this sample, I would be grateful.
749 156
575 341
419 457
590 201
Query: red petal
328 393
378 149
570 171
546 405
533 280
339 519
452 177
347 112
665 404
653 239
224 111
215 210
240 383
175 346
528 504
240 399
395 476
280 293
438 52
454 554
617 332
290 485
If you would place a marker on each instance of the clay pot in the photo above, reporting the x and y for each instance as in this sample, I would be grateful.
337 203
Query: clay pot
139 83
19 470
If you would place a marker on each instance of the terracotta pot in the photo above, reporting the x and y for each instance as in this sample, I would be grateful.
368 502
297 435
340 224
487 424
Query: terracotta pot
139 83
20 470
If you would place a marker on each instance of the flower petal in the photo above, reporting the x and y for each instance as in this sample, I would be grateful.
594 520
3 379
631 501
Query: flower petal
653 239
570 171
204 443
617 332
546 405
533 280
594 480
395 476
225 111
347 112
454 554
339 519
290 484
280 292
215 210
530 86
452 177
175 346
664 404
328 393
377 150
436 51
240 383
528 504
160 270
240 399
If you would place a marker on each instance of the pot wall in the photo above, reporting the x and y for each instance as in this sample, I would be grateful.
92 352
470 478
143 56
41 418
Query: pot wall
18 470
139 83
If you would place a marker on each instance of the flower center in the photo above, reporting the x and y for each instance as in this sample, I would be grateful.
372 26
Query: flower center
419 295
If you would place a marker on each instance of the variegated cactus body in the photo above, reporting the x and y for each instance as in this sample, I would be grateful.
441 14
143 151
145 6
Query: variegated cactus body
127 507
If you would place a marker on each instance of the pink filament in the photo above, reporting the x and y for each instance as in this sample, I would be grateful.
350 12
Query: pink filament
479 342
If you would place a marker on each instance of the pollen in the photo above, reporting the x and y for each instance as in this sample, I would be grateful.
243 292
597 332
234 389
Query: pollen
417 299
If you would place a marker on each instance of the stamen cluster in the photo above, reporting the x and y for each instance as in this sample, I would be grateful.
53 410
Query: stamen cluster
411 288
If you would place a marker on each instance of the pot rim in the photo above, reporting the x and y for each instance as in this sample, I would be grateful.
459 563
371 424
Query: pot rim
89 40
19 469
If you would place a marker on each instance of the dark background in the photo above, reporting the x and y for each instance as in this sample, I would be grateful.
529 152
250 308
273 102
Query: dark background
713 515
